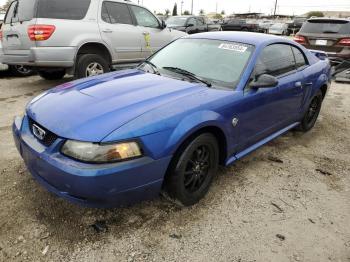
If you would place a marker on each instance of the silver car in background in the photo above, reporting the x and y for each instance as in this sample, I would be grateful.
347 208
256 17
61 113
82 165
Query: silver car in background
81 37
278 29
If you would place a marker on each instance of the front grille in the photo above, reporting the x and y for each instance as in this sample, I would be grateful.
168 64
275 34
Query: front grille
49 138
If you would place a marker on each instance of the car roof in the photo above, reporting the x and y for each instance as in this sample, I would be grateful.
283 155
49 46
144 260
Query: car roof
329 18
242 37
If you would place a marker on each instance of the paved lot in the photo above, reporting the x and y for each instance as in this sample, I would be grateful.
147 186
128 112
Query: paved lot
289 201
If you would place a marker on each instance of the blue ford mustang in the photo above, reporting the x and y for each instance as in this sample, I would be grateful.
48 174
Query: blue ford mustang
202 101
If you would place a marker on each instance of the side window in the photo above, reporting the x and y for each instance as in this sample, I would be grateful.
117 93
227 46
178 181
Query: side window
299 58
276 60
192 21
11 12
144 17
116 13
62 9
200 21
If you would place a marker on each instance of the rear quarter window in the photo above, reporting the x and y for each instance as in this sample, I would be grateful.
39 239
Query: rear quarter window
324 26
300 60
63 9
276 60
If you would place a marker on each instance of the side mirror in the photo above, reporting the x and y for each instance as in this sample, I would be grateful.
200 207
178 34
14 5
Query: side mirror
264 81
189 25
163 24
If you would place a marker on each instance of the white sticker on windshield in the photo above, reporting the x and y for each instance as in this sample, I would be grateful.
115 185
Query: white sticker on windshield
233 47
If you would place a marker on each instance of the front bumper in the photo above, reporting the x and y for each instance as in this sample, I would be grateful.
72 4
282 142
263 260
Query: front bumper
107 185
40 57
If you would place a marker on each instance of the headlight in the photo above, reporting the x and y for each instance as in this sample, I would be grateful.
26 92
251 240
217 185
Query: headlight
101 153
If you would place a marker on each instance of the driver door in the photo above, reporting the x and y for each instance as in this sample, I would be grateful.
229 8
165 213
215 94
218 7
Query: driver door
263 110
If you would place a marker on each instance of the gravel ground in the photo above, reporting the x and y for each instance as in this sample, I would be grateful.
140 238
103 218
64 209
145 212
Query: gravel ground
288 201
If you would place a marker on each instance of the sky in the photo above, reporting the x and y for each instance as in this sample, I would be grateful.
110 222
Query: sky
287 7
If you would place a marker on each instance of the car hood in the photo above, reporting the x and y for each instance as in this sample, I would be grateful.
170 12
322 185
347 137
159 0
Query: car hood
90 109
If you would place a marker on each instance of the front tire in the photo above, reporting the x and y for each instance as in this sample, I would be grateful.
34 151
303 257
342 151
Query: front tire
191 172
91 65
312 113
52 74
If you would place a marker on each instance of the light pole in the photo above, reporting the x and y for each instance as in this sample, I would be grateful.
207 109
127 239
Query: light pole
274 13
192 8
182 3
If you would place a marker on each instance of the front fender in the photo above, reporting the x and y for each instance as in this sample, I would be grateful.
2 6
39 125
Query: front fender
165 143
191 124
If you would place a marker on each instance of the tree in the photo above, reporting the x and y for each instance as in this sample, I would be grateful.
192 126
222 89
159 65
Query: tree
315 13
218 16
6 6
201 12
187 12
167 12
175 10
223 12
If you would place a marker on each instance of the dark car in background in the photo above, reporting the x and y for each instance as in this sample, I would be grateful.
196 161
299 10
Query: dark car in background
192 24
331 35
295 25
239 25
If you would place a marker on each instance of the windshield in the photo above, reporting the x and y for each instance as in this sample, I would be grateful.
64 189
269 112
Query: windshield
176 21
324 26
219 62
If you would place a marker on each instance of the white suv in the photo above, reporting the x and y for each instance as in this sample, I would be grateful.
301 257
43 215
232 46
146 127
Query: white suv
80 37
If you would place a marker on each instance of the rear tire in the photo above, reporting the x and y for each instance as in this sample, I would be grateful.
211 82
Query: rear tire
21 71
312 113
52 74
191 172
91 65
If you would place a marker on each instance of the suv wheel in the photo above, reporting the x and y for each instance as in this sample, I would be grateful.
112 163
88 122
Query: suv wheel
19 70
91 65
52 74
192 172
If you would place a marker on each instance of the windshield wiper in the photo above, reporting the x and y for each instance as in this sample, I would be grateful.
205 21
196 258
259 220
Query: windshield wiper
154 67
188 74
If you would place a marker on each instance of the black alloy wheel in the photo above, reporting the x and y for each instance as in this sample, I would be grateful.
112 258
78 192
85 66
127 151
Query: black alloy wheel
197 169
192 170
312 113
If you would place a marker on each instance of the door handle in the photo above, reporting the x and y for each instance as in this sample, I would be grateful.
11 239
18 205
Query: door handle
107 31
308 84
